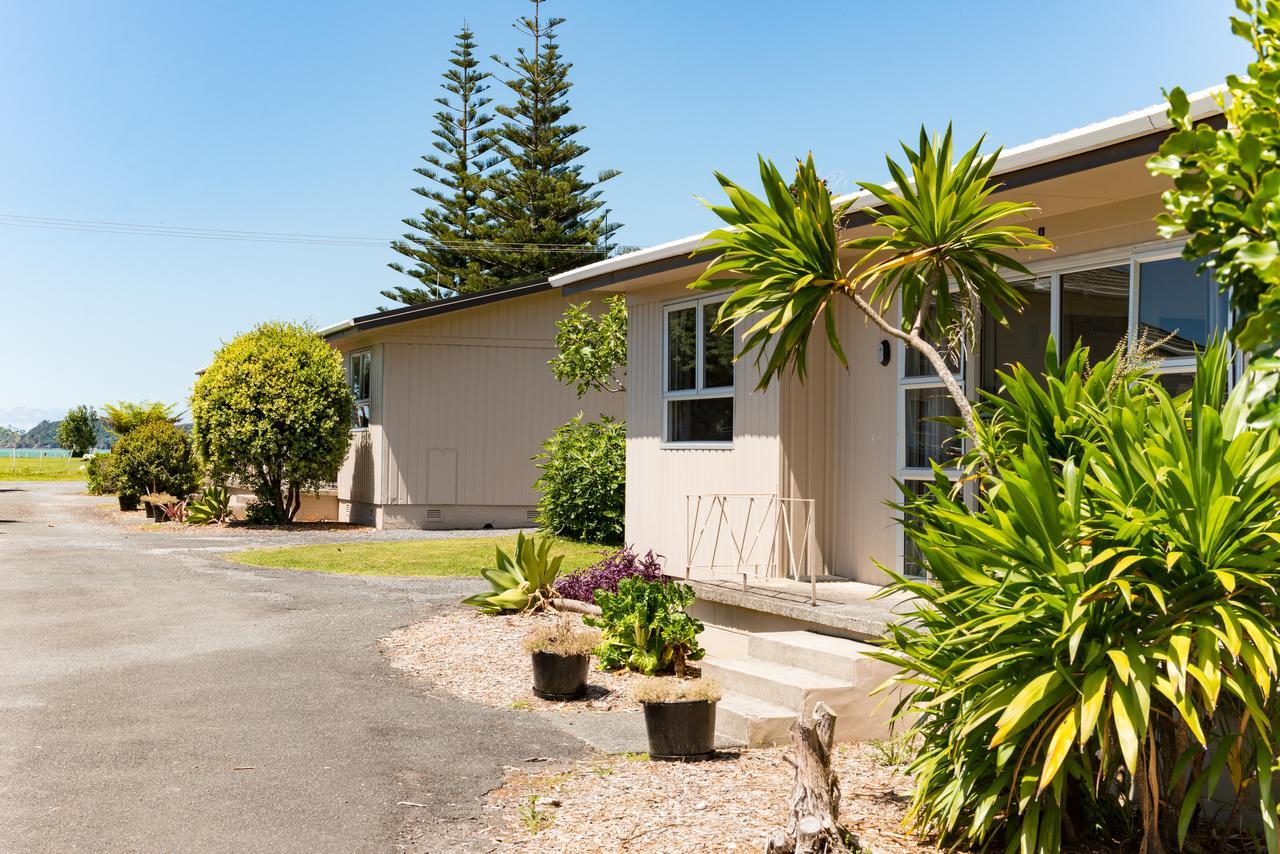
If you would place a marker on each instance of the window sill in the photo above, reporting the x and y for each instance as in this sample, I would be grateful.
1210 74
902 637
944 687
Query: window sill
696 446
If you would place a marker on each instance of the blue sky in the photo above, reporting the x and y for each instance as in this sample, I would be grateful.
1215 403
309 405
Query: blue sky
309 117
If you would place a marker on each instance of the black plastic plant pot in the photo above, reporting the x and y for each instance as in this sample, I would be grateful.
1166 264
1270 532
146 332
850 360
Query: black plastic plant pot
559 677
158 514
681 732
128 503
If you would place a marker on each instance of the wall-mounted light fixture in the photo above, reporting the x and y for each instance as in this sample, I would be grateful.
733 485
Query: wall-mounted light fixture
885 351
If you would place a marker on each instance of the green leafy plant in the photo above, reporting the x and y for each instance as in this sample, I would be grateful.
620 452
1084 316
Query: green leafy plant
593 349
533 817
1097 646
154 457
938 253
273 411
212 507
646 628
1226 181
582 485
523 582
122 417
100 476
78 430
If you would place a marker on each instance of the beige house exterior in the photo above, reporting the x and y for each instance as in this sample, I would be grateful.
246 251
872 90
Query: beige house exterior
737 501
454 399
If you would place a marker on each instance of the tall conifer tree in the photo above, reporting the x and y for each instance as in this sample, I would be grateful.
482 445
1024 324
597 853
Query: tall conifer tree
539 201
442 249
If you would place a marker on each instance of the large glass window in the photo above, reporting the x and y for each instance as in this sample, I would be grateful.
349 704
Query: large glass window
698 386
927 439
1178 306
359 374
1095 309
1023 340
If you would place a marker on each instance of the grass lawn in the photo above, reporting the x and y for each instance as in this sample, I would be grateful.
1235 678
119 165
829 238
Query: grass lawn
36 468
460 556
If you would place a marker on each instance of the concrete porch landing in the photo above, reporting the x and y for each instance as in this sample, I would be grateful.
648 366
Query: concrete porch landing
844 608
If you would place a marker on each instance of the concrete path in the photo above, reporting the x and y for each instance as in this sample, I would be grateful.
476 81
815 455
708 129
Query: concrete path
154 697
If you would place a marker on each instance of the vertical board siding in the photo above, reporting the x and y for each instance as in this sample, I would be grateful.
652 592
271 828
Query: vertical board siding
476 384
658 478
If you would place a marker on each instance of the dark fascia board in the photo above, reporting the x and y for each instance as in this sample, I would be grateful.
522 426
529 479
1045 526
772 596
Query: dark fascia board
445 306
1082 162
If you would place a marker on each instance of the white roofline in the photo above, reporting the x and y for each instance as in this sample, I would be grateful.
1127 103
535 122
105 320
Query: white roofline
1097 135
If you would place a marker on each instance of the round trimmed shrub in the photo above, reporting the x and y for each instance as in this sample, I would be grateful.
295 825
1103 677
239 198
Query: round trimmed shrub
273 411
583 480
155 457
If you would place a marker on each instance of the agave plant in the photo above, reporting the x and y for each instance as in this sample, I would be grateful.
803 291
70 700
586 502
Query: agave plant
521 583
937 255
211 508
1097 647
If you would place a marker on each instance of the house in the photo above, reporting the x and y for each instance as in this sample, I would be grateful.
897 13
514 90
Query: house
454 398
774 502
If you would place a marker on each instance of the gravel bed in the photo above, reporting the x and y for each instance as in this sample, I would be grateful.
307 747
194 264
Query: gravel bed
479 657
734 803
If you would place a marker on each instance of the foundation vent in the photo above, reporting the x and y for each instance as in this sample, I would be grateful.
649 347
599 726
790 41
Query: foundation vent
531 515
435 514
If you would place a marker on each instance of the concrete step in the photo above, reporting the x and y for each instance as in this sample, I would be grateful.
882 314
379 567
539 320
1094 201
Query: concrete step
752 722
839 658
778 684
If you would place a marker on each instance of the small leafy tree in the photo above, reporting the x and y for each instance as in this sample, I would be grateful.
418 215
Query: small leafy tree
273 410
154 457
593 349
1226 182
78 430
936 258
583 480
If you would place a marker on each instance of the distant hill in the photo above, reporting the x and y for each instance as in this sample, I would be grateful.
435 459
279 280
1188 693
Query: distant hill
45 436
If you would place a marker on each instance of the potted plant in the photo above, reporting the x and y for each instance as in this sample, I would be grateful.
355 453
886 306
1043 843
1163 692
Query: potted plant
679 717
156 503
561 653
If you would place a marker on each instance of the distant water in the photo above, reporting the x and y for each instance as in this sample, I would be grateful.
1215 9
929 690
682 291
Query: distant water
7 453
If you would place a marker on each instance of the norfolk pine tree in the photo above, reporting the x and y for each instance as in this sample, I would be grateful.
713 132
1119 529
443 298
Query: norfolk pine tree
441 248
547 217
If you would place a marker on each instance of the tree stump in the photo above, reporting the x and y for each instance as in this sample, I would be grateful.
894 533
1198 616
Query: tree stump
814 825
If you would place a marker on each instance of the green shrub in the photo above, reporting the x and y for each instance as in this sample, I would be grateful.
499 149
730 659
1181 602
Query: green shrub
1098 644
211 508
273 410
261 513
155 457
646 628
520 583
100 474
583 480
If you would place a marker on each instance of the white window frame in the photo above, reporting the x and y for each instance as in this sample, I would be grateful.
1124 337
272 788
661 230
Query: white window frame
1053 269
700 390
367 401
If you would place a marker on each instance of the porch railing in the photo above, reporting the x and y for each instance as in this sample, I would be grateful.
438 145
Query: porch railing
751 535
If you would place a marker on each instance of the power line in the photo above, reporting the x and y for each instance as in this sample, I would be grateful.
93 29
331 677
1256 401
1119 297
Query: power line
147 230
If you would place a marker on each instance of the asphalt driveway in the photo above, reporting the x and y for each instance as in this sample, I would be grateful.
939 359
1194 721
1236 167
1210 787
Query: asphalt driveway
154 697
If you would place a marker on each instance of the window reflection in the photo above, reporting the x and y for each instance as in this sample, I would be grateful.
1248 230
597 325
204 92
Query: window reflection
1178 304
1095 309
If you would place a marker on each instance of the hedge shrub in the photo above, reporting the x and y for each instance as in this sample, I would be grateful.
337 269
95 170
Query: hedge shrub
583 480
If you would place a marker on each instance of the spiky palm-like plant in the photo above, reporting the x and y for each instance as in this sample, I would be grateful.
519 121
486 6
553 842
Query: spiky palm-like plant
938 253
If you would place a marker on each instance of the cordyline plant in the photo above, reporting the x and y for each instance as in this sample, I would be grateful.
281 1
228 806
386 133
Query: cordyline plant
1097 647
1226 183
937 256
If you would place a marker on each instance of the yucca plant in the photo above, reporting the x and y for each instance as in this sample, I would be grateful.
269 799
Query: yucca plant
522 581
1097 647
936 256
